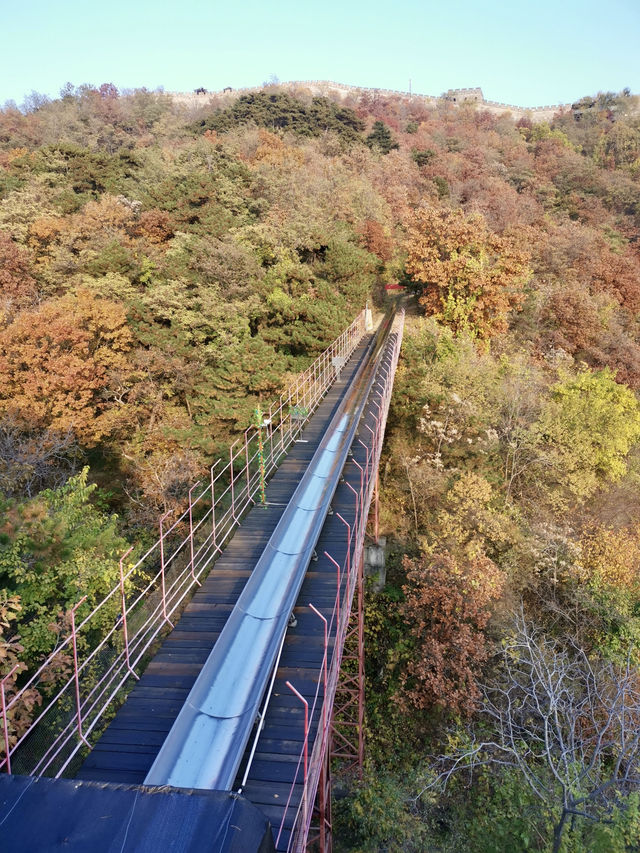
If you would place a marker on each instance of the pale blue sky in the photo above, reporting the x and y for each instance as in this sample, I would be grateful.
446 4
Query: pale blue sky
527 53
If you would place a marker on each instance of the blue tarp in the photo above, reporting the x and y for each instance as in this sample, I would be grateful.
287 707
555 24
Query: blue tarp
40 815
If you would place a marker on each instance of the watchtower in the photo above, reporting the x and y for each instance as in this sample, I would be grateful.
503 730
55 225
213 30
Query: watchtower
460 96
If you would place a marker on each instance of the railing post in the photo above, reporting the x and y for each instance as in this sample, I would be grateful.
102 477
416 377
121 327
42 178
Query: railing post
338 590
213 506
348 526
315 383
271 435
324 668
366 451
357 496
376 508
246 463
193 574
261 469
306 749
233 497
357 521
76 670
361 469
5 721
162 569
378 419
282 417
125 631
374 444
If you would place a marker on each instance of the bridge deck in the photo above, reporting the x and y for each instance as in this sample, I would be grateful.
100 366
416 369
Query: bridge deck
276 763
128 747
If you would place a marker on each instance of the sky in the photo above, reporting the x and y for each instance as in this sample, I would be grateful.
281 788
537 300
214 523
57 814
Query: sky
523 52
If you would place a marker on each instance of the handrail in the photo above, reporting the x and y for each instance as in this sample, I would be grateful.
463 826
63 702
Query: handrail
130 618
206 742
340 614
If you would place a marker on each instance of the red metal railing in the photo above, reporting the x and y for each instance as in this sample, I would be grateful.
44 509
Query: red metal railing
348 575
150 590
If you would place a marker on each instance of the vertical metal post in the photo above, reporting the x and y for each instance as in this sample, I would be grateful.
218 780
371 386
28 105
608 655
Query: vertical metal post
371 455
324 804
246 462
76 670
357 496
233 500
162 569
360 666
5 721
324 669
213 505
361 469
315 383
348 526
282 416
123 601
338 590
378 419
271 434
306 748
259 427
193 574
376 507
366 450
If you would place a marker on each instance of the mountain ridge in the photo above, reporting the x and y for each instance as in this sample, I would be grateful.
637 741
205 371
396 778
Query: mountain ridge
343 90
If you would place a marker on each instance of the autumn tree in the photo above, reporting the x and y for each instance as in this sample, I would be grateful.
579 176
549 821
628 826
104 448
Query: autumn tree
607 588
17 285
468 277
584 433
469 521
447 608
55 361
34 459
376 241
611 557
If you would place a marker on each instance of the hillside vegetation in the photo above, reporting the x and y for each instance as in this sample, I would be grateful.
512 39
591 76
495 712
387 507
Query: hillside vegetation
164 269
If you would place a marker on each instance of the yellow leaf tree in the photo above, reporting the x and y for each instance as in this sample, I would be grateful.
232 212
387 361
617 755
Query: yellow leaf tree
470 277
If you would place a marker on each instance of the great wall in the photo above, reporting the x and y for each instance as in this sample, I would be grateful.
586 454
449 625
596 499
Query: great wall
340 90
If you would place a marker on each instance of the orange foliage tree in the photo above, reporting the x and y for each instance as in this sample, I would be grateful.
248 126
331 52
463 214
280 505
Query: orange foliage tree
470 277
17 285
376 241
55 362
447 608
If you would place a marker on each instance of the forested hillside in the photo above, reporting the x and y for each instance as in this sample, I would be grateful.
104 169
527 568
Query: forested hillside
163 270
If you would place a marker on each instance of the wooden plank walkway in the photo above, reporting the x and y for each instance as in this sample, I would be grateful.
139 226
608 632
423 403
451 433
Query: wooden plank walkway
129 745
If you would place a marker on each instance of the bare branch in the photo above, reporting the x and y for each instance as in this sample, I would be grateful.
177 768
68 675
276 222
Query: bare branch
569 722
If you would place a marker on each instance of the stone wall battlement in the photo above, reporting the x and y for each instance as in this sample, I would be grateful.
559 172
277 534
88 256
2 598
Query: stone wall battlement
329 87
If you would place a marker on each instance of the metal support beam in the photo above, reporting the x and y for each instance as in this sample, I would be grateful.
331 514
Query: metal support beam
348 708
320 838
